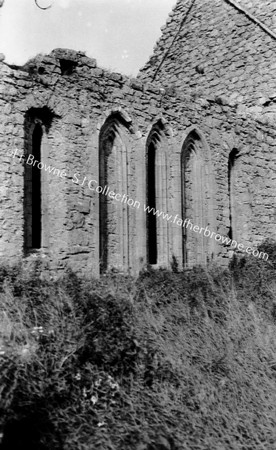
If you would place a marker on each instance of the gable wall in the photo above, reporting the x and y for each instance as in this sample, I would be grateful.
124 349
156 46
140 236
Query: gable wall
235 54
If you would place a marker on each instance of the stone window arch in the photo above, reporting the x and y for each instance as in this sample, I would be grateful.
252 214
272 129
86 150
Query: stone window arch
113 173
36 126
33 188
197 200
157 195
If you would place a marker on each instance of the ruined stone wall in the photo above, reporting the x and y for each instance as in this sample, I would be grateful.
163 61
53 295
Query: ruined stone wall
73 102
216 49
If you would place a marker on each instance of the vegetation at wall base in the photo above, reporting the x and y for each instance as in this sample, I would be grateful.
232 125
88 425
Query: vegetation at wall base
168 361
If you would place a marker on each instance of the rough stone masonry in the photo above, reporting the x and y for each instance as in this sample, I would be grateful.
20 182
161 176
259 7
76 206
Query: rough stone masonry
192 136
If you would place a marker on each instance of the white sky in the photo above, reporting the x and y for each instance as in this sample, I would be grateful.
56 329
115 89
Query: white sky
120 34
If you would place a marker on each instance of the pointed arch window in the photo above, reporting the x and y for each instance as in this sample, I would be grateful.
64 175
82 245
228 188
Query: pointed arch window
197 199
157 194
37 125
33 191
114 215
36 188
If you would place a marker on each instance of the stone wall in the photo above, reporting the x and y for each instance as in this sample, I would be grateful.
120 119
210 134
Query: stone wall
97 128
216 49
264 11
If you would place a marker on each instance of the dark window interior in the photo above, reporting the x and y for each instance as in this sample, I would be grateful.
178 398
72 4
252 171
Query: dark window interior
151 219
36 189
231 163
67 66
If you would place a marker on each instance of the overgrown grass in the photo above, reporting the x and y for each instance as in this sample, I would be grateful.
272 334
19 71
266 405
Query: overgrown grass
167 361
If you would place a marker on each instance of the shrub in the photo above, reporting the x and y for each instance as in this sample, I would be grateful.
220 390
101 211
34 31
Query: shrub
168 361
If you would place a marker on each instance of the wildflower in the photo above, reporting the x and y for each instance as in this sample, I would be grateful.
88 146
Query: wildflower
78 376
94 399
101 424
27 351
84 392
36 330
109 380
98 382
113 384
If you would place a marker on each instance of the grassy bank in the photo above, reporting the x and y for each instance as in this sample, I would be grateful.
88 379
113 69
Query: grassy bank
165 362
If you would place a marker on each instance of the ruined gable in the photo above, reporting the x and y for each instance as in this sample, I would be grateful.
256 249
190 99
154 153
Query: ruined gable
215 48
